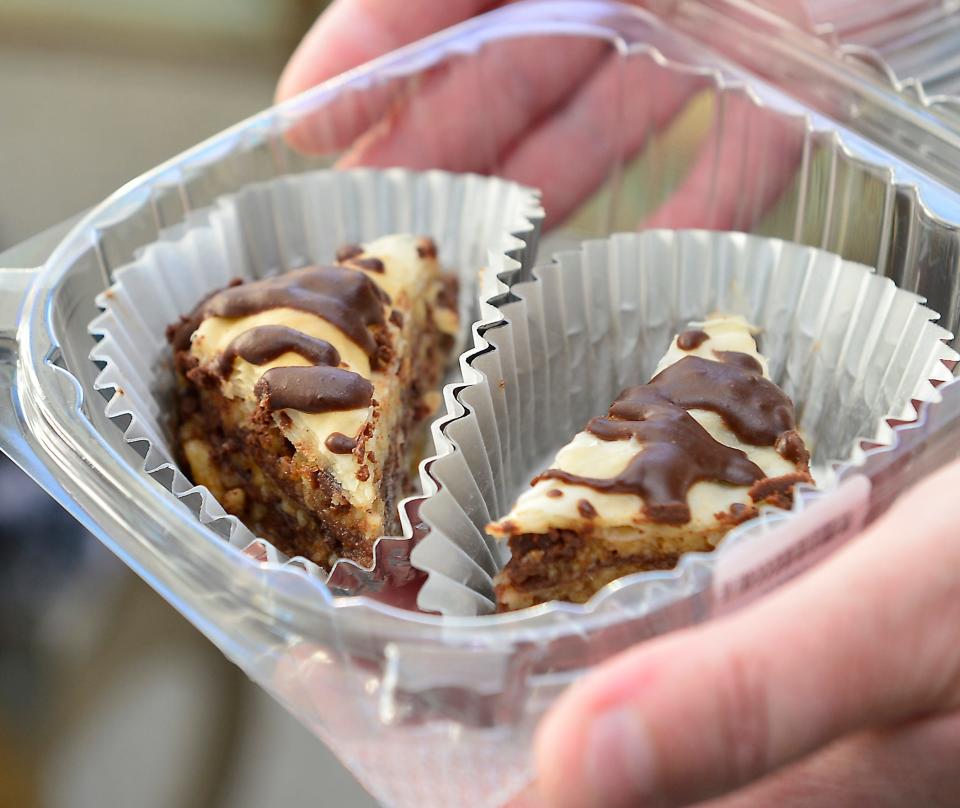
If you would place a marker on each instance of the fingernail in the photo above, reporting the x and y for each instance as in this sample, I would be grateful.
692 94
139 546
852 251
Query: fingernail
620 766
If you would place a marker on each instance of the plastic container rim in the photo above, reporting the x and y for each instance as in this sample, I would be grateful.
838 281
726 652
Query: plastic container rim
36 338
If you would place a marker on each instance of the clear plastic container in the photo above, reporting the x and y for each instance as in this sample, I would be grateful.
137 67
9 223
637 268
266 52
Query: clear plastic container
913 44
690 118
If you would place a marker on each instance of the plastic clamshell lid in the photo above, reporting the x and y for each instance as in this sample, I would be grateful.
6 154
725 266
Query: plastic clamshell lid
341 663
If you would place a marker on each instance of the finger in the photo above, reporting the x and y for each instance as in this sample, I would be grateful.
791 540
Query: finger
458 115
352 32
553 113
745 165
464 115
572 152
576 88
864 640
913 765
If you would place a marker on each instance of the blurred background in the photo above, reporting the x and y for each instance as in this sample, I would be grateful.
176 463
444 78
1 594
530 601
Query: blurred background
108 696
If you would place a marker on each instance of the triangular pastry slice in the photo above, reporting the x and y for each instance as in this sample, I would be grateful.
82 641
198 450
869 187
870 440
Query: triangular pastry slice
300 396
672 466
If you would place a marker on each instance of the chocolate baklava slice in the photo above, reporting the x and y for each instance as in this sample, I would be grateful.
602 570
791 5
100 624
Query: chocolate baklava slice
302 397
672 466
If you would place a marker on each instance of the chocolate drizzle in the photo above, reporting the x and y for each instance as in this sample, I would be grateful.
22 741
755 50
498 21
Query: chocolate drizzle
585 509
427 248
179 334
790 446
313 389
267 342
742 360
351 254
343 297
373 264
692 339
338 443
348 251
755 409
677 451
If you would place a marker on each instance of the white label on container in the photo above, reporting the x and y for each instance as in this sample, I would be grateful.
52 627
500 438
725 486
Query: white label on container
749 569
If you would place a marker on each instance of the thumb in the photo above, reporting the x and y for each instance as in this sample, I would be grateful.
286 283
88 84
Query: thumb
864 640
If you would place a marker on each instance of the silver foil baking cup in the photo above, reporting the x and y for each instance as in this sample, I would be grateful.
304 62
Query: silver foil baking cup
270 227
852 350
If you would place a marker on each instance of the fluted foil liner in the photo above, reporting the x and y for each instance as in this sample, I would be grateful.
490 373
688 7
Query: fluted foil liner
853 351
268 228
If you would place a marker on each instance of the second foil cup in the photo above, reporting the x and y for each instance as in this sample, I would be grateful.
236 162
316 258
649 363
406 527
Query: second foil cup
852 350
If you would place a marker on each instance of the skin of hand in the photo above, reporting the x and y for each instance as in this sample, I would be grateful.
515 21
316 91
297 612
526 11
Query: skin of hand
557 120
842 688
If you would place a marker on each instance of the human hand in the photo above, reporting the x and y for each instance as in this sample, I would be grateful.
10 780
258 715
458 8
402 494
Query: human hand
844 687
559 113
840 689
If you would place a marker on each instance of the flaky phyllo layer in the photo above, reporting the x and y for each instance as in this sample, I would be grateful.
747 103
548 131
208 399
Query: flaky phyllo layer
300 395
672 466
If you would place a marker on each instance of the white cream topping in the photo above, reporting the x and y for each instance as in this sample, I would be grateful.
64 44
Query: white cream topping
726 332
620 514
407 278
405 270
